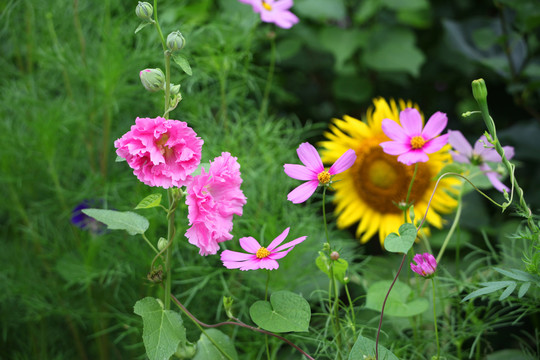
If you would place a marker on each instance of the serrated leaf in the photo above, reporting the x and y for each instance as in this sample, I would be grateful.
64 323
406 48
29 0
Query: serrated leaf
397 303
120 220
285 312
141 26
206 350
340 267
523 289
364 348
163 329
183 63
150 201
403 242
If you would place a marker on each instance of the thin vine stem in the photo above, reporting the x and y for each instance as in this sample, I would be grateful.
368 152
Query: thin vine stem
237 322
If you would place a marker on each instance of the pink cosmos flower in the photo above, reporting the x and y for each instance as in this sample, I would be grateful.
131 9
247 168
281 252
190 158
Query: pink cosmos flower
161 152
213 198
483 151
411 142
425 265
313 171
274 11
259 257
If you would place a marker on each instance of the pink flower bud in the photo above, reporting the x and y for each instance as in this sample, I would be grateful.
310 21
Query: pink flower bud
425 265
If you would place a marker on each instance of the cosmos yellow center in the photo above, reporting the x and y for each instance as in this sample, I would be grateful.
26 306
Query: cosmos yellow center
324 177
417 142
262 253
266 6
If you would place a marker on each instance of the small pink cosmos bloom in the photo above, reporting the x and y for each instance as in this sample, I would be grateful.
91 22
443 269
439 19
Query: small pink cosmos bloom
411 142
483 151
259 257
313 171
161 152
212 199
274 11
425 265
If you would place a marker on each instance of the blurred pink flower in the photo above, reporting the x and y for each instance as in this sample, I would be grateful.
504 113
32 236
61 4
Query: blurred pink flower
213 198
161 152
425 265
259 257
483 151
314 171
274 11
411 142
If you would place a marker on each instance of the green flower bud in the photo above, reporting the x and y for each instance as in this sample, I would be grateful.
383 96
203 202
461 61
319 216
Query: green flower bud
185 350
227 304
152 79
479 90
175 41
144 11
162 243
175 89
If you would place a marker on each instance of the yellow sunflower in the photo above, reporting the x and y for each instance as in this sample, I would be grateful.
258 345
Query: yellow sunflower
368 192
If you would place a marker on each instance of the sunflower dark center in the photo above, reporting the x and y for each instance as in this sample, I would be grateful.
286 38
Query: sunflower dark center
382 181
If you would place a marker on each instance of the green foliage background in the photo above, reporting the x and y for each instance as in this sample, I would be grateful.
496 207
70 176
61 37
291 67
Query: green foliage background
70 87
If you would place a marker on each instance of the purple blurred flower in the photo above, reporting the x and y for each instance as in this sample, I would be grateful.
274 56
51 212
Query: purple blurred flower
425 265
482 152
85 222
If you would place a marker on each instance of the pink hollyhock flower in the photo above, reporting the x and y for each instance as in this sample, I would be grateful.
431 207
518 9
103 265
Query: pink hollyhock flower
161 152
483 151
274 11
313 171
411 142
213 198
425 265
259 257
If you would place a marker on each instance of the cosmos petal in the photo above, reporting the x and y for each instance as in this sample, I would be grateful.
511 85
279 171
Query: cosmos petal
394 147
411 121
310 157
413 157
344 162
290 244
229 255
436 144
394 131
299 172
279 239
435 125
250 244
302 192
460 144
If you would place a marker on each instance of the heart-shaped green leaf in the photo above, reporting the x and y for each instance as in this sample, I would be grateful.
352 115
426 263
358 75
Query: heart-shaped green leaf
397 303
403 242
364 348
163 329
285 312
206 350
120 220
